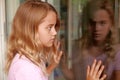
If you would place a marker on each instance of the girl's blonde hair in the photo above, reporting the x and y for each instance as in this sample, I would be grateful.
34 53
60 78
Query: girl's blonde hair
22 39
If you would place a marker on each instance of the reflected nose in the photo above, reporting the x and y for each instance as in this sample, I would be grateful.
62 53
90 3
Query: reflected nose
97 27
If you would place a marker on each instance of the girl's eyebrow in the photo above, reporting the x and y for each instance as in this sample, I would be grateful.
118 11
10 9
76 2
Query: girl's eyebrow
94 21
51 24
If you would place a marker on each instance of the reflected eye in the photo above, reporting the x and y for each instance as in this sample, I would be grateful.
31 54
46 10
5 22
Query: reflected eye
92 23
102 22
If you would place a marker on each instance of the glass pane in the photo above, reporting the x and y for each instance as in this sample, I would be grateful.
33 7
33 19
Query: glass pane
70 15
73 27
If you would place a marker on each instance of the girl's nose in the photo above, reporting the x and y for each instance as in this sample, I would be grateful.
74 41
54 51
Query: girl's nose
54 32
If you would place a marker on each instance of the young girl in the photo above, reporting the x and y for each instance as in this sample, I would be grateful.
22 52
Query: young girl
31 43
33 51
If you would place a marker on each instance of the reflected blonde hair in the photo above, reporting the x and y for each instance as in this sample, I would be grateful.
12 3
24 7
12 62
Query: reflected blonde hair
22 39
88 12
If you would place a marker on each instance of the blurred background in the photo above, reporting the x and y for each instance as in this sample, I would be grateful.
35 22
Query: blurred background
70 12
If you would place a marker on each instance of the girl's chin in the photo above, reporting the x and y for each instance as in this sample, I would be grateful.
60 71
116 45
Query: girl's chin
48 45
98 39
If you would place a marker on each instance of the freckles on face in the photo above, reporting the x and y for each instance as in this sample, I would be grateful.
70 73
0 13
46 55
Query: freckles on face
46 30
100 25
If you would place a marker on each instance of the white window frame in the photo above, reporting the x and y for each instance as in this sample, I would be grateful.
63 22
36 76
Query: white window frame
2 39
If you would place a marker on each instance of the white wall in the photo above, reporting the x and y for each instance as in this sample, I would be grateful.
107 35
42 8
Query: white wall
2 38
11 7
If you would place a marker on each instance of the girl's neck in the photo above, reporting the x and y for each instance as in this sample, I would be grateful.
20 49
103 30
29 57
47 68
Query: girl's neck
96 51
97 48
98 43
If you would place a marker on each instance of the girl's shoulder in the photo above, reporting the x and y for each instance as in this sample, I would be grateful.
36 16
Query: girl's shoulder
22 68
117 57
117 48
19 61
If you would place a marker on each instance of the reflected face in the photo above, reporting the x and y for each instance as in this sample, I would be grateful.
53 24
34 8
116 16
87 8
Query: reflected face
100 25
46 30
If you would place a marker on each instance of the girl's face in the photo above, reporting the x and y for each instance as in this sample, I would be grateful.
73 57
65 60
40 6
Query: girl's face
46 30
100 25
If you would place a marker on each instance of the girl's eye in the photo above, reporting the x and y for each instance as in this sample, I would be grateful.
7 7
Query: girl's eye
49 28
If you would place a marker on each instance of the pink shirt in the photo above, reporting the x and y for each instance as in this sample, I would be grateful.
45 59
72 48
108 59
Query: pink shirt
23 69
